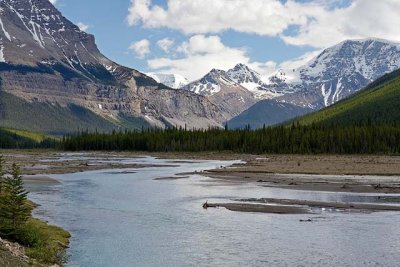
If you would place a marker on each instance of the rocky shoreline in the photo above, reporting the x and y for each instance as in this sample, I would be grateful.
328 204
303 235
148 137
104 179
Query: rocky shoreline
13 255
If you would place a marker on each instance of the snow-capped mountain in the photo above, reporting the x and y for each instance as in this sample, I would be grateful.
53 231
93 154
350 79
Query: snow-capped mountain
211 83
252 81
338 72
174 81
220 89
46 58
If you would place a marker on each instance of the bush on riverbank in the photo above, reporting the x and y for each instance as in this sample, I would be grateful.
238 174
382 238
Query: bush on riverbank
44 243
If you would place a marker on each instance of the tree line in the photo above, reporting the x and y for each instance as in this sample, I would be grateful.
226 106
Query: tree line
312 139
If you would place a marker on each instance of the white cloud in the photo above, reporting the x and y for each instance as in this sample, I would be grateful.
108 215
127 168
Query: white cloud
141 48
165 44
362 19
82 26
320 23
200 44
265 17
202 53
199 55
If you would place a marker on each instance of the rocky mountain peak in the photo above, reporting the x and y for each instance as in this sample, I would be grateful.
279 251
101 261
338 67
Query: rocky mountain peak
243 74
231 97
252 81
38 26
211 83
35 33
44 57
340 71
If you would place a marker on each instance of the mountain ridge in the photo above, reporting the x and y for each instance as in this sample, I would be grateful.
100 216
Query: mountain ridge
47 58
266 112
231 97
340 71
336 73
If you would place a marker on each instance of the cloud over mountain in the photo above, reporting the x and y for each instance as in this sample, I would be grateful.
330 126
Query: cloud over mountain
311 20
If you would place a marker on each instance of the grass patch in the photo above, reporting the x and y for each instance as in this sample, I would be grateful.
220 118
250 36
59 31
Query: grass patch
45 243
37 137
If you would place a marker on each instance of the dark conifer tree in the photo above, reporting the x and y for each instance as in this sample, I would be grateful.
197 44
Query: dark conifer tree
14 211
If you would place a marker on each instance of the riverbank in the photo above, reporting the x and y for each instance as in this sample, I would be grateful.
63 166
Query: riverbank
357 174
13 255
48 244
31 242
42 162
331 173
37 165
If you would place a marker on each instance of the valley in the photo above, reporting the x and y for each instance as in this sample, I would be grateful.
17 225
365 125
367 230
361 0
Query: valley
199 133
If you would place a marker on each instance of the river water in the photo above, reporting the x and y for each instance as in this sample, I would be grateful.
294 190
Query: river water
126 218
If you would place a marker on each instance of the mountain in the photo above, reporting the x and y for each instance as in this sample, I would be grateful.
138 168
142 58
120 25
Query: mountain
337 72
252 81
220 89
174 81
377 103
266 112
47 61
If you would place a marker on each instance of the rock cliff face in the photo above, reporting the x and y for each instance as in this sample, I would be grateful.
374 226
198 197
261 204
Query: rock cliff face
46 58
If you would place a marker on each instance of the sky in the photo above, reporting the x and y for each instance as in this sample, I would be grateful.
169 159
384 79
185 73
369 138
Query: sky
191 37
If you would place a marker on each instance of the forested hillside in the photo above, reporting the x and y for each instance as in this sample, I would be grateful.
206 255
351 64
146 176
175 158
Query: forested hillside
378 103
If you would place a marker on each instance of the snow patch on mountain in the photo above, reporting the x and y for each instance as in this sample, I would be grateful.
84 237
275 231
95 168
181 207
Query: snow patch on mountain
2 59
252 81
211 83
6 34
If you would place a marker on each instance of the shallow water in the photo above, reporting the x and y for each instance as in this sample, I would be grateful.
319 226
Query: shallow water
126 218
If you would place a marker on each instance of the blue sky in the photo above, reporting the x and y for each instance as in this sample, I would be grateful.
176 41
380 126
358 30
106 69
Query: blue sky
202 34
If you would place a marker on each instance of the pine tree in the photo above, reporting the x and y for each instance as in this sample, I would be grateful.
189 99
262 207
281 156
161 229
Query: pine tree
14 211
2 173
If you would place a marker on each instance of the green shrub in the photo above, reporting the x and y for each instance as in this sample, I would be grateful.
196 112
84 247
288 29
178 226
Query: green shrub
27 236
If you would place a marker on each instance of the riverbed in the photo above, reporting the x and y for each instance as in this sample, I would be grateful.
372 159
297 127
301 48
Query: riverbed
153 216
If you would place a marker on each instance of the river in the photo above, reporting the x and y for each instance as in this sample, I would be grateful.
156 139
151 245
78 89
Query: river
127 218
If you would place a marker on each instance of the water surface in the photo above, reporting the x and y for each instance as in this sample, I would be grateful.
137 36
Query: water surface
126 218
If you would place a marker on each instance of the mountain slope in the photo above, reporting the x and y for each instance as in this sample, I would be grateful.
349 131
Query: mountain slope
44 58
266 112
378 103
229 96
338 72
53 119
